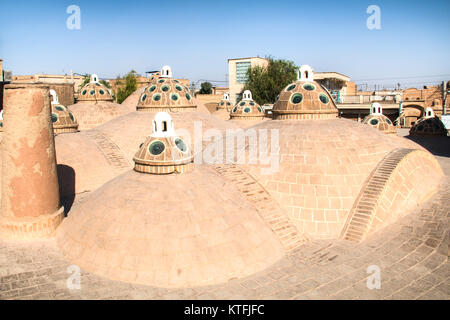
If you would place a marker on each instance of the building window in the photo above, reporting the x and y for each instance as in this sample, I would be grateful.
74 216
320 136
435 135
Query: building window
241 71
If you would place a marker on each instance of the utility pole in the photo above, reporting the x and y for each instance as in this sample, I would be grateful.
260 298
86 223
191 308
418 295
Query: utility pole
444 97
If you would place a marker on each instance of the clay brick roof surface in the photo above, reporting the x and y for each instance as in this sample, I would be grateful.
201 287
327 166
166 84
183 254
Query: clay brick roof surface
175 230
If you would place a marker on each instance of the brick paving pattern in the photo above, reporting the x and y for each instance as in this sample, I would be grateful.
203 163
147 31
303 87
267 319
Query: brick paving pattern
412 254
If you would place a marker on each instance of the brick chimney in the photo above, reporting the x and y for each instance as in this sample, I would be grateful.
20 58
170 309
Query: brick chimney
30 197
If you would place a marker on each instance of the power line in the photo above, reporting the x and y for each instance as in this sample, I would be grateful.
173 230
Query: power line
411 77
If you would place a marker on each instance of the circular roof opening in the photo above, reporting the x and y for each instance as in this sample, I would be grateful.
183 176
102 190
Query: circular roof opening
291 87
180 145
296 98
156 148
323 98
309 87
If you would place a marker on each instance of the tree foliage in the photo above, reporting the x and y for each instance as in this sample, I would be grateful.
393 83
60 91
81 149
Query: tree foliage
205 88
126 86
266 82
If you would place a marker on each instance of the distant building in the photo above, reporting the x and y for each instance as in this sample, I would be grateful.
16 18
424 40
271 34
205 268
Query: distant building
237 74
64 85
5 77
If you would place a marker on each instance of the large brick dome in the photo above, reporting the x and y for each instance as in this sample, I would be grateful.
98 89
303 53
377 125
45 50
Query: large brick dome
325 165
168 230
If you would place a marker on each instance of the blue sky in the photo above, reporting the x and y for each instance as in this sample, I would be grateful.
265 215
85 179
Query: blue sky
197 37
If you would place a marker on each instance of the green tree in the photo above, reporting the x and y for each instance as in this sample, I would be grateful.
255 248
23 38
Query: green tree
126 86
205 88
266 82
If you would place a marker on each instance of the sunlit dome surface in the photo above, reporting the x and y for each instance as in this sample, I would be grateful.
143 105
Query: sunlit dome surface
168 230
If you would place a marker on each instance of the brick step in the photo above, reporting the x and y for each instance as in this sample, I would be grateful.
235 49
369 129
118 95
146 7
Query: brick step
267 208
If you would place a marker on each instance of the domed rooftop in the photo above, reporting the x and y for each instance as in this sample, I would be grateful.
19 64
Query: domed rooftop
225 103
169 230
94 91
97 109
305 99
103 153
321 167
247 109
378 120
63 120
166 94
428 126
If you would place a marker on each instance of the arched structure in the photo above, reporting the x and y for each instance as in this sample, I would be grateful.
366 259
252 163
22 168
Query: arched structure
168 230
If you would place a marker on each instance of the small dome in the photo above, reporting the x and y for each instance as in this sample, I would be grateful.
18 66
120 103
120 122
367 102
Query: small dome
304 99
94 91
225 103
166 94
247 109
378 120
163 152
62 119
428 126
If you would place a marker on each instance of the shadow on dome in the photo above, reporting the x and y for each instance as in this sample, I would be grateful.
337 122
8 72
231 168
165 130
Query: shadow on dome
438 146
66 181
